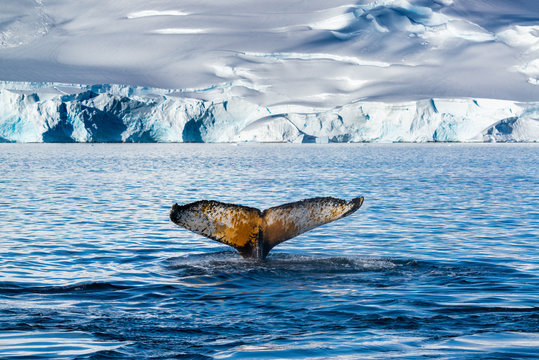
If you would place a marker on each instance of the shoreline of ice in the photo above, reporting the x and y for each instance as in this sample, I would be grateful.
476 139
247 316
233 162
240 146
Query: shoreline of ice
55 112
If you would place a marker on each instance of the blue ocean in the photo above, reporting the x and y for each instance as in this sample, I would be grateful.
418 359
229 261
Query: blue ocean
441 261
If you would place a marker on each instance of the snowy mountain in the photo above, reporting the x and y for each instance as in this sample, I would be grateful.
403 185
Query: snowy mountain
302 71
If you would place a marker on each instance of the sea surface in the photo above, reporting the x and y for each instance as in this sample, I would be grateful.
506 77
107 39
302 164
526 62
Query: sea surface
441 261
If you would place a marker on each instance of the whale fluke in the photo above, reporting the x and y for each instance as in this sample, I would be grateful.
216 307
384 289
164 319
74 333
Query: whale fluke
253 232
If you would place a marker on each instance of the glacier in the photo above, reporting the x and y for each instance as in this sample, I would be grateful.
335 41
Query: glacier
54 112
366 70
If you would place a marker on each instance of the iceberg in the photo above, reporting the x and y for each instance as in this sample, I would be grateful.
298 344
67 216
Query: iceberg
54 112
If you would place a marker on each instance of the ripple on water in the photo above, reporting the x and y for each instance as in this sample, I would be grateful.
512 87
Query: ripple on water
507 345
38 344
440 262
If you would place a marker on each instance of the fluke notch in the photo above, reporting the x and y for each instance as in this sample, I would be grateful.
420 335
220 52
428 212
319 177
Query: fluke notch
253 232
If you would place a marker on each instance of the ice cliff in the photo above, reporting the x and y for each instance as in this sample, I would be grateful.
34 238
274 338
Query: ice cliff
47 112
304 71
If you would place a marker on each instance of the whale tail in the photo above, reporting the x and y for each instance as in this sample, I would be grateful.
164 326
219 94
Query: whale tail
253 232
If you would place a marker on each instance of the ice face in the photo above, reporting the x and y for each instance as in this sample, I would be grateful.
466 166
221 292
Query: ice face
46 112
370 70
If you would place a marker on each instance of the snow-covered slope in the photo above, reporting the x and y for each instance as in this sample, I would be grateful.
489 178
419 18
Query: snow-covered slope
277 70
55 113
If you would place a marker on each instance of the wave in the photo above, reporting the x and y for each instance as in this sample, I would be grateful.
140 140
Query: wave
48 344
300 300
92 287
217 268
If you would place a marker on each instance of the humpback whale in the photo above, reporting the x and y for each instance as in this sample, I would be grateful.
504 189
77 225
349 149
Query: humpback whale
253 233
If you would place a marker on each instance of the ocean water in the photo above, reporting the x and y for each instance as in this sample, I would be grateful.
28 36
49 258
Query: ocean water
441 261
